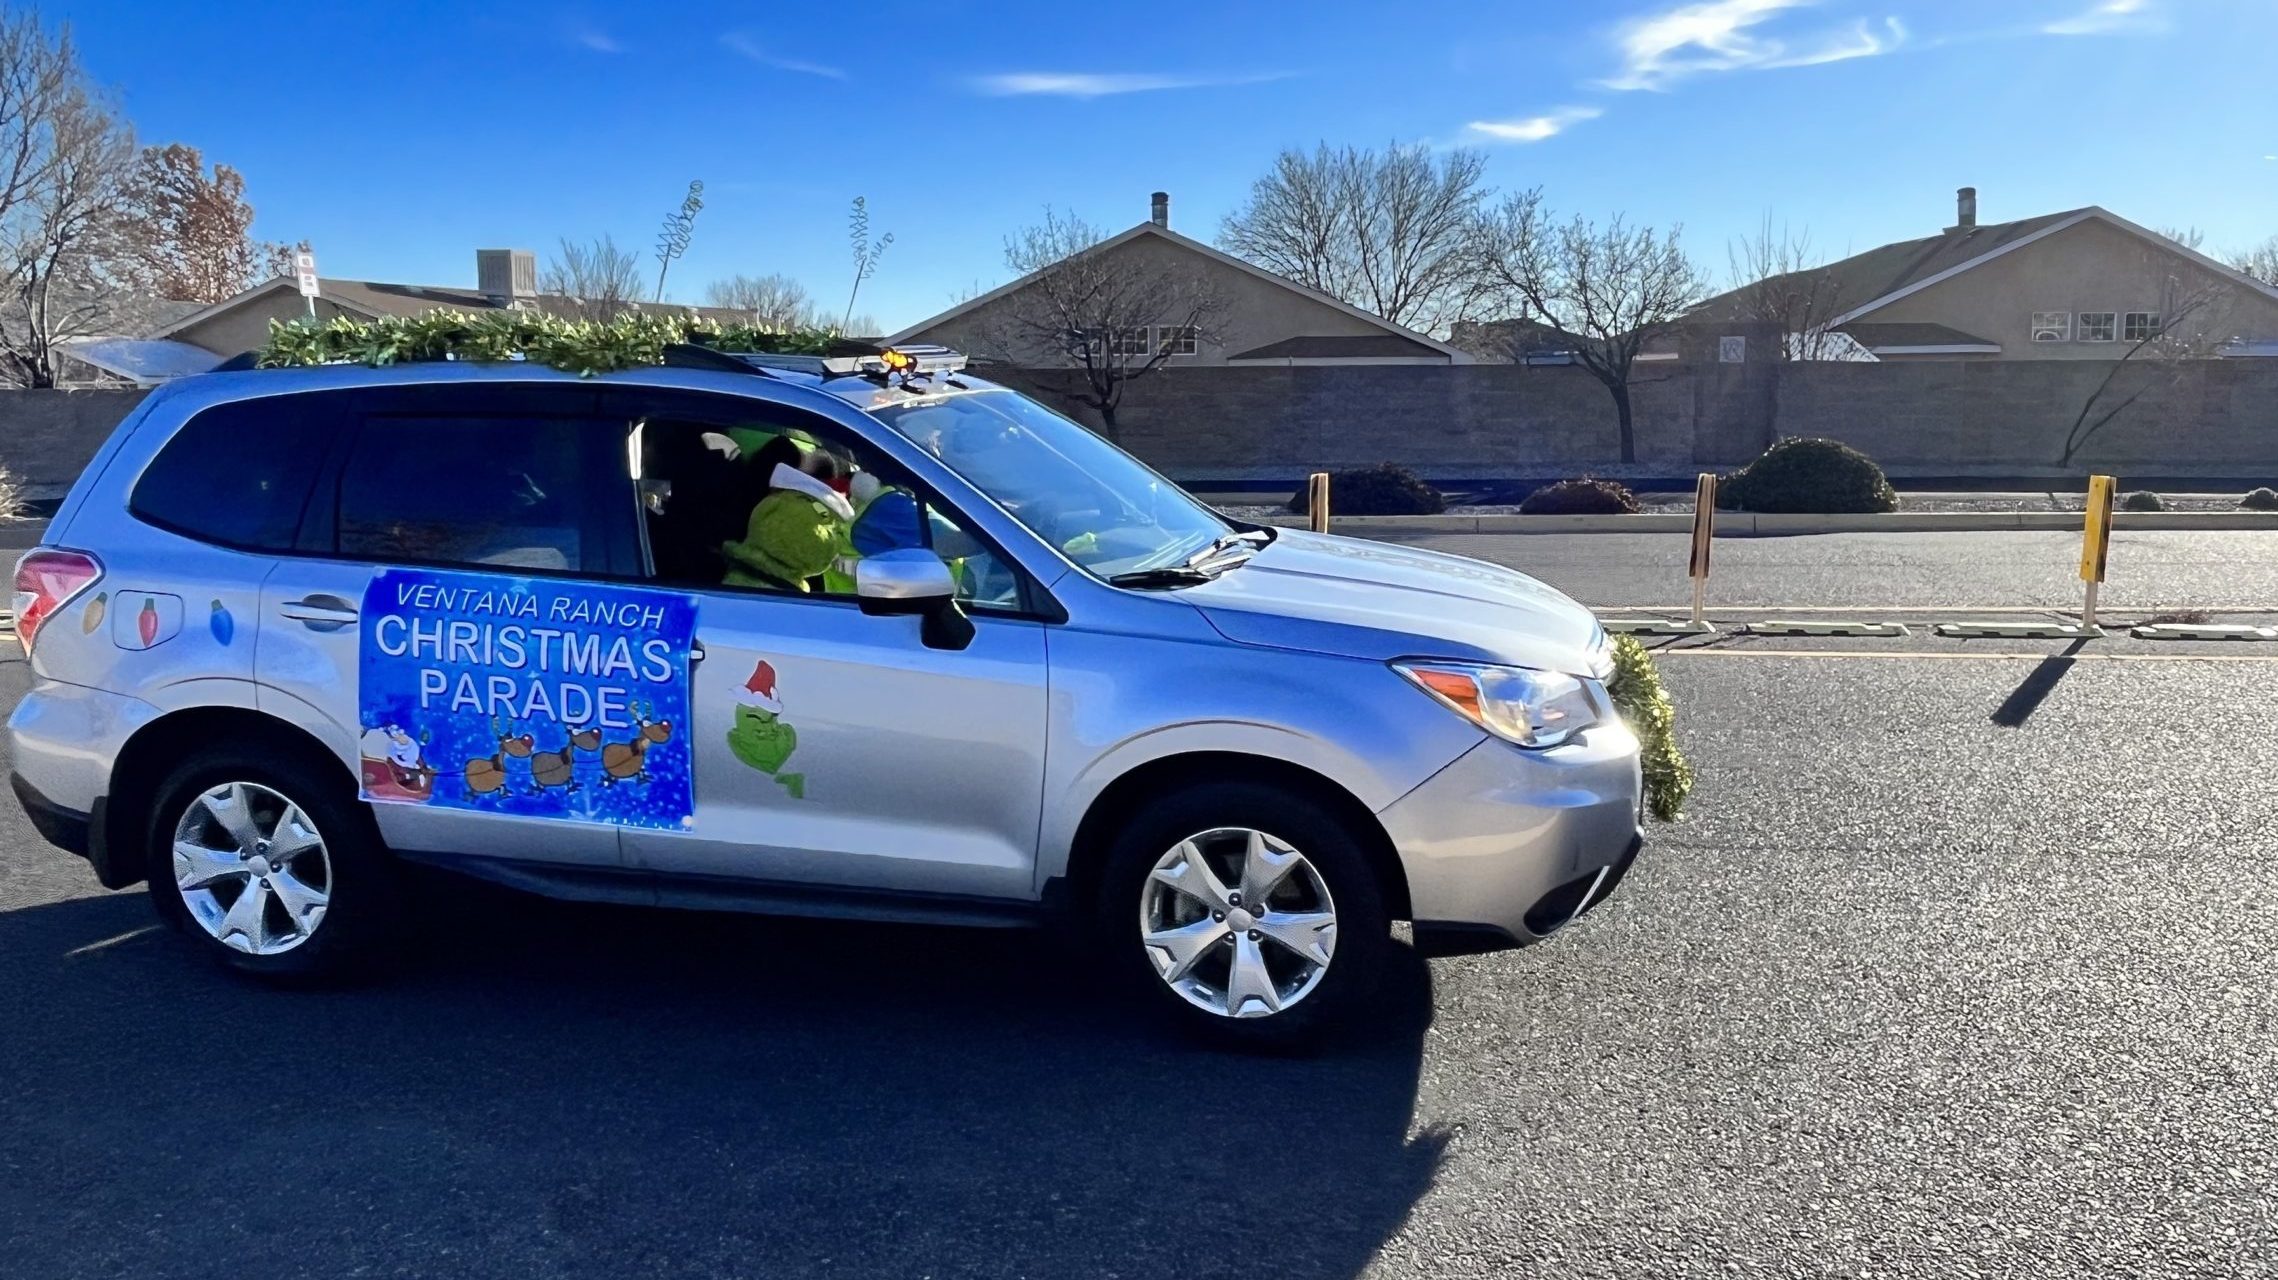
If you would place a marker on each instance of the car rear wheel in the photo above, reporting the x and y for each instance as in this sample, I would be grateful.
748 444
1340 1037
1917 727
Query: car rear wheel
270 865
1247 912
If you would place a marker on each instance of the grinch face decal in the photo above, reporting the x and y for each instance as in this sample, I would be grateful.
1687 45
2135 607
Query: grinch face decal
759 736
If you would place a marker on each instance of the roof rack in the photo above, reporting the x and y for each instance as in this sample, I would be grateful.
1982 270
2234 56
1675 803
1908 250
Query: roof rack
848 358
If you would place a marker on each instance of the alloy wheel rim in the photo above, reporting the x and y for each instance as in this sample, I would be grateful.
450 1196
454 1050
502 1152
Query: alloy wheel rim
252 868
1238 922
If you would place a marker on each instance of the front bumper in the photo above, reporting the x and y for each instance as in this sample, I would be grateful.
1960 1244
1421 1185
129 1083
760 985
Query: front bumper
1505 846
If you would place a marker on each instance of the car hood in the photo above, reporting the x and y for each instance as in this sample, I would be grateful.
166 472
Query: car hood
1323 594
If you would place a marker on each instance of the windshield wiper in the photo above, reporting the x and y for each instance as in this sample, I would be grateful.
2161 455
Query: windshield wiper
1230 542
1170 575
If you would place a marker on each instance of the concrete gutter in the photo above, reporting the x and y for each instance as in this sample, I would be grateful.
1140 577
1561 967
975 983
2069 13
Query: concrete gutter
1745 524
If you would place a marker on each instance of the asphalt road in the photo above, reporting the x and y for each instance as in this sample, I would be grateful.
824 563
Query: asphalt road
2149 571
1960 966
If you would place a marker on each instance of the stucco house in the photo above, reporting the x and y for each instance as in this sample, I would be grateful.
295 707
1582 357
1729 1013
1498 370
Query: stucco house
2085 284
504 278
1261 319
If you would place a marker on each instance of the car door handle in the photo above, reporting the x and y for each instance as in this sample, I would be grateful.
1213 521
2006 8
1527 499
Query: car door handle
320 612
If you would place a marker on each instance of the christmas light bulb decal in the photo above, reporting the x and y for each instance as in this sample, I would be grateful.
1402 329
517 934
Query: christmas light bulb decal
224 627
146 622
96 608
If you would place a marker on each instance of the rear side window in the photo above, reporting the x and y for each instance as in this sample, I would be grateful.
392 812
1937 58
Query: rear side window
238 474
552 494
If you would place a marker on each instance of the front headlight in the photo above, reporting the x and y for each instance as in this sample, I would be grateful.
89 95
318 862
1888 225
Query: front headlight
1530 708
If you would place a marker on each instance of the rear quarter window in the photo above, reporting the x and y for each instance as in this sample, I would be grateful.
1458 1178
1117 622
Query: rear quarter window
528 492
237 474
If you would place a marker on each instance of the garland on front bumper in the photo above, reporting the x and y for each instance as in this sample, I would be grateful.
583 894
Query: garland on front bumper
1652 715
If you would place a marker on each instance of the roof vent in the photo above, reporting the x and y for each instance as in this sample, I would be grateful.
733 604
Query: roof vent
1965 208
1159 209
506 277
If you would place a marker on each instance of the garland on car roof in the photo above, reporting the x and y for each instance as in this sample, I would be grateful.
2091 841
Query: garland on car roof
1652 715
582 347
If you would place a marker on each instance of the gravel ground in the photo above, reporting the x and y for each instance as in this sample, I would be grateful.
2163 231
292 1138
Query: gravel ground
1958 968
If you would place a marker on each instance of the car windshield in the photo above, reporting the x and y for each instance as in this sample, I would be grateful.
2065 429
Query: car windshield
1103 507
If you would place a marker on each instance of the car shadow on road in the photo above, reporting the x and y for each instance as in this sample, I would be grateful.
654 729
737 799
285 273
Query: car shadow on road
561 1090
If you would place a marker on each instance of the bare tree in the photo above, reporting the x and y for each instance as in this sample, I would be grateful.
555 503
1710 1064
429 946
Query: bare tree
601 280
192 238
66 160
2261 261
1607 291
2189 237
775 300
2192 324
1780 280
1386 231
1117 315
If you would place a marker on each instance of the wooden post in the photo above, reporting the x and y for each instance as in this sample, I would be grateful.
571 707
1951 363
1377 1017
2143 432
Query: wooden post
1704 534
1317 501
2095 543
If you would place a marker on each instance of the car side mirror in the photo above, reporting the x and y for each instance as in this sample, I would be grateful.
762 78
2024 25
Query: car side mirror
914 581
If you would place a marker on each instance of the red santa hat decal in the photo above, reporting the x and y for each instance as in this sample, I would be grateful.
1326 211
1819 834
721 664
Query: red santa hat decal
759 691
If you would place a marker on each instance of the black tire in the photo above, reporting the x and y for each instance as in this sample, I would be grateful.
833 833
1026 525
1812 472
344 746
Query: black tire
1364 944
364 907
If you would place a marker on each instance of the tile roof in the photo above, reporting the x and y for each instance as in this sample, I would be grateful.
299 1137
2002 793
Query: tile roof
1864 277
383 298
1340 346
1875 336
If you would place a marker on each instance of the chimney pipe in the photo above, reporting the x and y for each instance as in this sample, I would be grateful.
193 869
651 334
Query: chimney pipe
1160 209
1965 208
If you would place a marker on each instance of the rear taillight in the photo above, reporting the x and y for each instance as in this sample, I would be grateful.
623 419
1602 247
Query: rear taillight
46 580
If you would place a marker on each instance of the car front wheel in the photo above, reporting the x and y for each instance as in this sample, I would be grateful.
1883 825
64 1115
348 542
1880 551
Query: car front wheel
1249 913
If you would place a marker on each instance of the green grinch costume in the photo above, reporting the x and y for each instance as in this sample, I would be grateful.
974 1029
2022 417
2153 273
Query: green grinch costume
794 533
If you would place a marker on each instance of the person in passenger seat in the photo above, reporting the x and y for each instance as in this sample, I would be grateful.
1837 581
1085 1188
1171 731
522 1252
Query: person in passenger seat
794 531
695 498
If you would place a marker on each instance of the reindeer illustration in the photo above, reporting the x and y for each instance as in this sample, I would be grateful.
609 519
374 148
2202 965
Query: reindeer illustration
558 768
629 761
487 774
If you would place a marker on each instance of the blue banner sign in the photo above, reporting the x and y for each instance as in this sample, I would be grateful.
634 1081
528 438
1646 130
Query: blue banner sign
538 697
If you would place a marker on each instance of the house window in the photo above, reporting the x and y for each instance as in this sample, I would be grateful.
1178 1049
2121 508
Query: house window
2142 326
2098 326
2052 326
1177 339
1132 342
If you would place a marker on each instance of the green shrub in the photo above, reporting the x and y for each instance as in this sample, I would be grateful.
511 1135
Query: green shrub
1386 489
1652 716
1816 476
2263 499
2143 500
1588 496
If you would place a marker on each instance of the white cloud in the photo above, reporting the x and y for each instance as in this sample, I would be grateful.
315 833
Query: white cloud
2107 17
598 41
757 52
1719 35
1533 128
1079 84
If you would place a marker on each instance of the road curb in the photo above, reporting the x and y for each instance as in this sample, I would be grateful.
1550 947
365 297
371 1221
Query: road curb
1744 524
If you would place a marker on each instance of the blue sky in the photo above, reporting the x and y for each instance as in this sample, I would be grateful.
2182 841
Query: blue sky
399 137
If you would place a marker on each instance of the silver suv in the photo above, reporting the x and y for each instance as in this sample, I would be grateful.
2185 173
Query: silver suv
860 637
